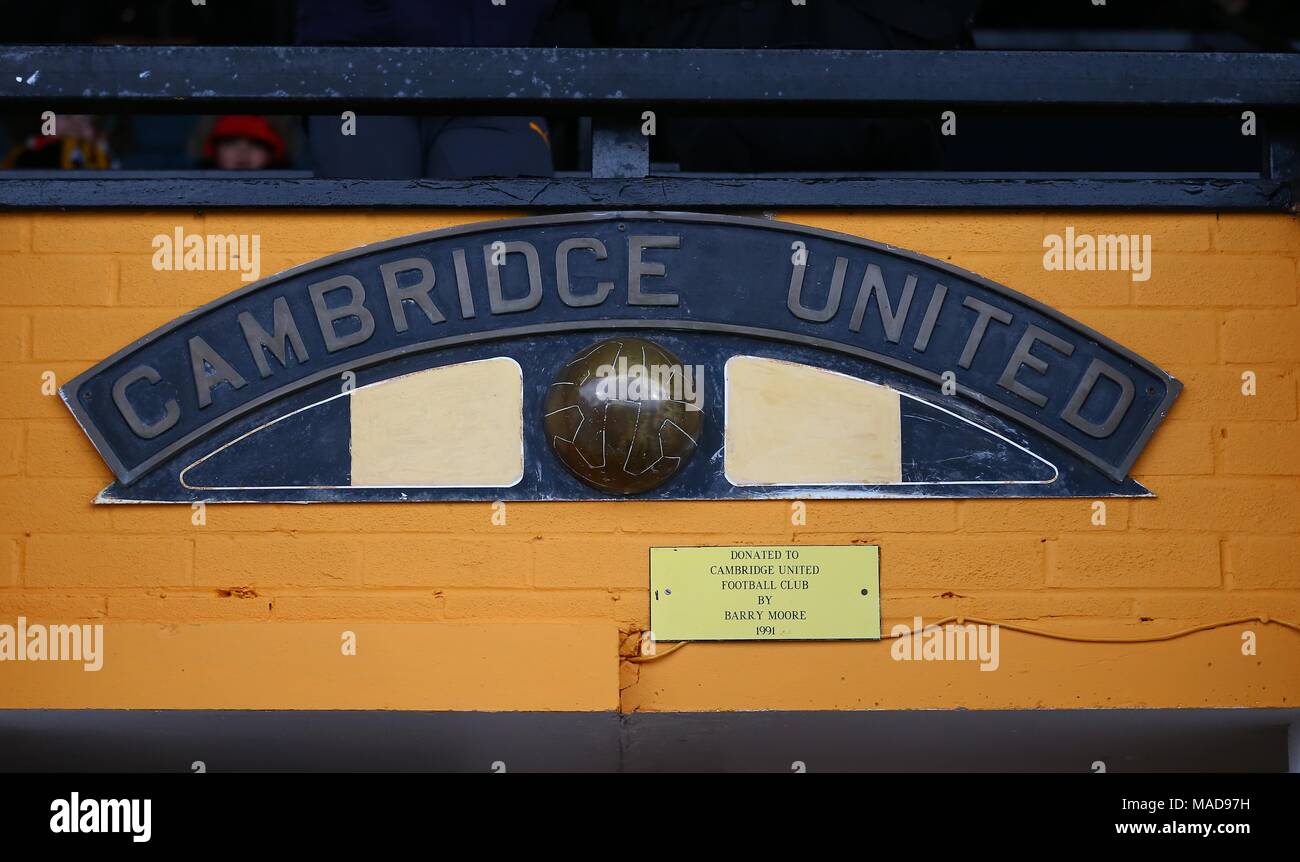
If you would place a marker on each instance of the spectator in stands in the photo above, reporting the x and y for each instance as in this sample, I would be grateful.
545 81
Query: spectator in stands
240 142
76 144
442 146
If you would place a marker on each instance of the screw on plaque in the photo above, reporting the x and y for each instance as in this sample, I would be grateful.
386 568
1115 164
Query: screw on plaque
865 591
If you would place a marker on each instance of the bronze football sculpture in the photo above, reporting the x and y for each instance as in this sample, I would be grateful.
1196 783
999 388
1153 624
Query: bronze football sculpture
623 415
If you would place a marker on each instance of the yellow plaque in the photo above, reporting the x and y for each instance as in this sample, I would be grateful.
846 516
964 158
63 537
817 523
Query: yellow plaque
765 592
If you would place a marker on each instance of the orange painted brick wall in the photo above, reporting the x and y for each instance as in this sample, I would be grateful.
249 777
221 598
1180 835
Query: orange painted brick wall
451 612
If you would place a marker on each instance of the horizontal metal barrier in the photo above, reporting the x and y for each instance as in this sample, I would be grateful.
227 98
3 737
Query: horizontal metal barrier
615 86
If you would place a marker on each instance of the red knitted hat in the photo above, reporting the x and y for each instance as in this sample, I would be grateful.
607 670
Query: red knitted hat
244 126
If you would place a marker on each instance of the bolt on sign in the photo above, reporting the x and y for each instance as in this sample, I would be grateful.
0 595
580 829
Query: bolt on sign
603 355
787 592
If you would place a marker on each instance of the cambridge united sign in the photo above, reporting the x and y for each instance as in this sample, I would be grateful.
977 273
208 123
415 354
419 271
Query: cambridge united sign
607 355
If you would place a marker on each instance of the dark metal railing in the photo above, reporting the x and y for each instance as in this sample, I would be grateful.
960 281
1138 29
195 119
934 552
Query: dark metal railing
615 86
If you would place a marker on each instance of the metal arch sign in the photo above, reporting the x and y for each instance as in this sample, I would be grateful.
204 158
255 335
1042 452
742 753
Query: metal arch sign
971 389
